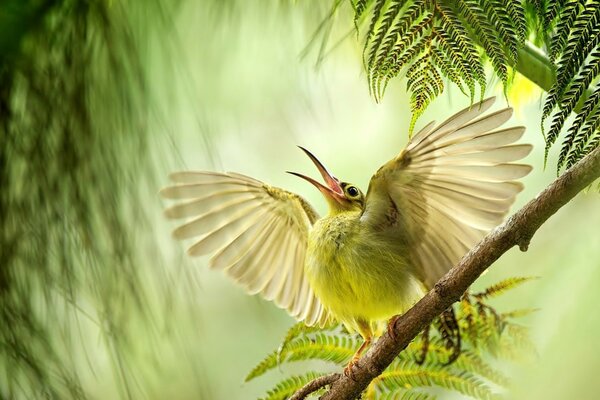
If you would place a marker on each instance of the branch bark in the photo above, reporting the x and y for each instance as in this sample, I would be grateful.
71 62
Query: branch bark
516 231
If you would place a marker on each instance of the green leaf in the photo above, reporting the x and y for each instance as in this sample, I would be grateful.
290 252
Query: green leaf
405 375
336 348
286 388
503 286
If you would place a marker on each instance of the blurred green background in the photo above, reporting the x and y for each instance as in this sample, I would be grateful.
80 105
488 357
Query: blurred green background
236 86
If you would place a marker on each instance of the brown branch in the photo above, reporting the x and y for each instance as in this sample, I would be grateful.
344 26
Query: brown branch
315 385
516 231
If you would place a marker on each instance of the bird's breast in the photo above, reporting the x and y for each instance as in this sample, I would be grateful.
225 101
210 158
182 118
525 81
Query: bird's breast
355 273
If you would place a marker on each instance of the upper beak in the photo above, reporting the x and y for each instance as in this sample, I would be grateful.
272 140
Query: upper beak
333 188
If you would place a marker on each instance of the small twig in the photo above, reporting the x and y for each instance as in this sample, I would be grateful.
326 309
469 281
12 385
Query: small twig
315 385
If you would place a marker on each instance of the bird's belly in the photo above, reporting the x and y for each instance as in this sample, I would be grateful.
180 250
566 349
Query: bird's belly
358 278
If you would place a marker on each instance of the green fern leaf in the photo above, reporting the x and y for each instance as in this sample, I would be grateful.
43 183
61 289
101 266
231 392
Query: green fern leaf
447 68
404 35
573 133
516 344
517 15
404 375
468 361
390 69
572 96
552 10
582 140
424 83
359 6
593 144
567 17
477 18
502 287
336 348
286 388
584 36
403 395
519 313
369 41
383 40
500 17
456 44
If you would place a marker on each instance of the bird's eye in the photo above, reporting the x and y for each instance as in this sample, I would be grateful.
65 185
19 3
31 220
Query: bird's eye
352 191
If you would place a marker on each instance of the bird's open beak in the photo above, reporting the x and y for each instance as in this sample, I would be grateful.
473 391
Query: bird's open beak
333 190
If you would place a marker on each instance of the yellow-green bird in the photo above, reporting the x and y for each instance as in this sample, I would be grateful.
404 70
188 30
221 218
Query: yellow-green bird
371 257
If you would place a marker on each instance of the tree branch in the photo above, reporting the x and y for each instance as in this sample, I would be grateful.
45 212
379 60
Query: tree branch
516 231
315 385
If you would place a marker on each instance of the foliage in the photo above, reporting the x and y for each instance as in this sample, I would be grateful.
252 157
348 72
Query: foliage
74 106
485 335
428 40
575 48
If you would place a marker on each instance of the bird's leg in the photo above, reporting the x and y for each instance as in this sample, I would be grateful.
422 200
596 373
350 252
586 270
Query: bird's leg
391 325
450 333
364 328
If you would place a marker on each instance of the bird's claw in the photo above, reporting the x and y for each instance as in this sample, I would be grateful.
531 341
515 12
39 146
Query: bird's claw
392 325
348 370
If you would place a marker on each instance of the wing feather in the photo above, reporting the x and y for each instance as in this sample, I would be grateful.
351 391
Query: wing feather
257 235
451 185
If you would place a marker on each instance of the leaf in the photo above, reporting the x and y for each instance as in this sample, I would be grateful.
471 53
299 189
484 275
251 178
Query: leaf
336 348
404 375
502 287
286 388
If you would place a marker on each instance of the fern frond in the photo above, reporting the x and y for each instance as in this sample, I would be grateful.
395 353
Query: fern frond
477 18
403 395
521 312
274 359
567 17
377 7
398 60
582 140
286 388
448 69
336 348
593 143
383 40
424 83
404 34
573 134
456 43
517 15
572 96
516 344
404 375
468 361
584 36
359 6
500 18
552 10
502 287
268 363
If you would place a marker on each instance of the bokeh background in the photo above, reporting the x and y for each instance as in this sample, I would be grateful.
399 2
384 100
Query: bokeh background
235 86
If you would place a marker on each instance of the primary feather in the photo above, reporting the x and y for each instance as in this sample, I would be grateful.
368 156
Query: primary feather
371 258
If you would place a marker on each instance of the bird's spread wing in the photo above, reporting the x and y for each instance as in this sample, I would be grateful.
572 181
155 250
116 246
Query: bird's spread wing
256 233
448 188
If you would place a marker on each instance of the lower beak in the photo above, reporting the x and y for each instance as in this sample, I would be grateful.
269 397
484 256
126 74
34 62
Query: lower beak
333 188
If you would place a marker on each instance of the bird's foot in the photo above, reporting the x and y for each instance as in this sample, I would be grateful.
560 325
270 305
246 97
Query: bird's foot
392 325
348 370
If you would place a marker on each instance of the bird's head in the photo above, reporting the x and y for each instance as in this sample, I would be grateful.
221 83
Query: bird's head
340 196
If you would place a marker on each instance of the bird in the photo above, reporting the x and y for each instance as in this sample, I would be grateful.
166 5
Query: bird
373 255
